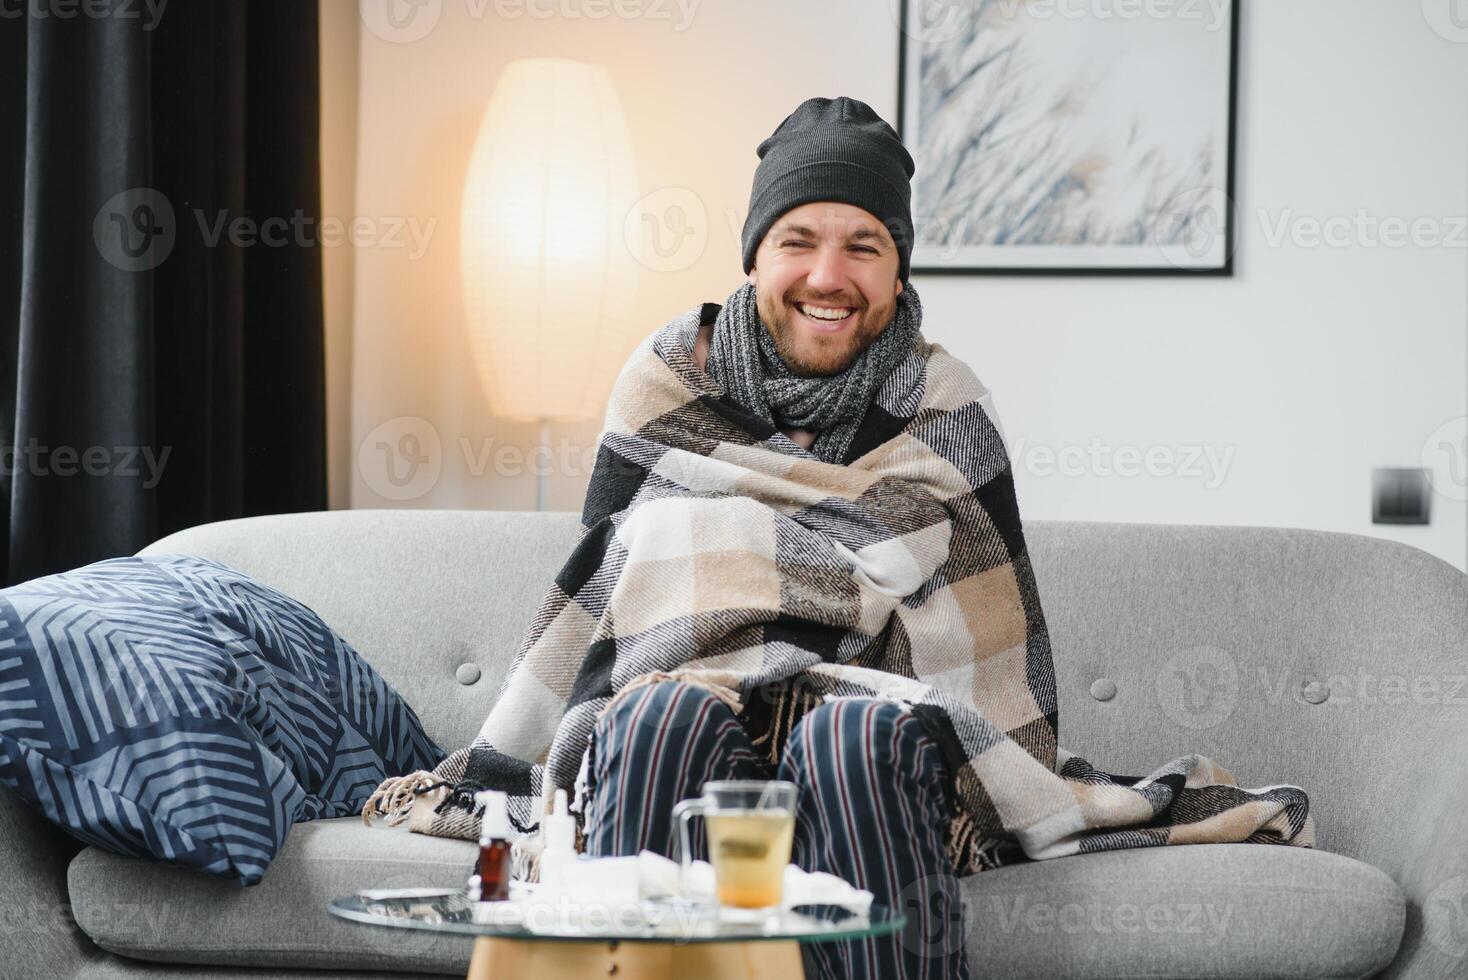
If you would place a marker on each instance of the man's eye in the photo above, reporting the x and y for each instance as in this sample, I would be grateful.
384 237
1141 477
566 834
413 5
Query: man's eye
795 243
865 248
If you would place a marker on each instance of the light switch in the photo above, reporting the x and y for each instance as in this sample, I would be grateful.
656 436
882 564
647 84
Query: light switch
1400 496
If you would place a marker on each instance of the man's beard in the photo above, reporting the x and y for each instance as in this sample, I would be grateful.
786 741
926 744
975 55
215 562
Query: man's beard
809 354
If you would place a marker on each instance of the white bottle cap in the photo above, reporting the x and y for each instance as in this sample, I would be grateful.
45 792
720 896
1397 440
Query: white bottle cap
496 825
560 826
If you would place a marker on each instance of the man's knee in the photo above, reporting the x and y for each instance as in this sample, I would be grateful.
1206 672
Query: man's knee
667 705
875 729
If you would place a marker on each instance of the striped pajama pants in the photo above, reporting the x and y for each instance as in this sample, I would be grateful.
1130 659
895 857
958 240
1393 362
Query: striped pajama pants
871 809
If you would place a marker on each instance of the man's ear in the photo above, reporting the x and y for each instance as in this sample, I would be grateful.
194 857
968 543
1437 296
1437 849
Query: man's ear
899 288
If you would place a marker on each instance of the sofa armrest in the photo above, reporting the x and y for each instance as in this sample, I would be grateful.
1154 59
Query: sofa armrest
1433 847
42 937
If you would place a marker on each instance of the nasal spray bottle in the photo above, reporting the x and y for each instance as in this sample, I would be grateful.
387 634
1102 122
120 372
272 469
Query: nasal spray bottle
491 879
558 858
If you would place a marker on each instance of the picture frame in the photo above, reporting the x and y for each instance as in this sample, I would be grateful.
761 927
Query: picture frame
1045 146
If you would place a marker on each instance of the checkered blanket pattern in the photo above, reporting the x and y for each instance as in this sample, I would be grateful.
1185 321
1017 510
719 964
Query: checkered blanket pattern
715 550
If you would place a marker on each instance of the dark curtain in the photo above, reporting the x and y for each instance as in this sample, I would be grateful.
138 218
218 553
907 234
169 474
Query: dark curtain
161 336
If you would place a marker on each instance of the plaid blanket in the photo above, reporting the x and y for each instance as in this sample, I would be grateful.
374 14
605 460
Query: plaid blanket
713 549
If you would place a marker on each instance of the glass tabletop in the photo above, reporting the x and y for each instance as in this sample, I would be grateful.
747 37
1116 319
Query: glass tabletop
642 921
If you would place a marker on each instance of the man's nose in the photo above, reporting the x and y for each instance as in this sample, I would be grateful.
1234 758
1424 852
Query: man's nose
827 273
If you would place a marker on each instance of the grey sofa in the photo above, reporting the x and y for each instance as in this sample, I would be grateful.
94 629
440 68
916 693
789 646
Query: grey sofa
1331 661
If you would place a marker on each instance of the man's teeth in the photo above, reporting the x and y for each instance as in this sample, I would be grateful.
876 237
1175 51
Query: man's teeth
820 314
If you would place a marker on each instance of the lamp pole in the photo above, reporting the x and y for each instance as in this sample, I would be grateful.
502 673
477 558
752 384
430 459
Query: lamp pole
543 475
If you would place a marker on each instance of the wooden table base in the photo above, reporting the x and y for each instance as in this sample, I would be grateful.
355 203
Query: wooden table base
537 959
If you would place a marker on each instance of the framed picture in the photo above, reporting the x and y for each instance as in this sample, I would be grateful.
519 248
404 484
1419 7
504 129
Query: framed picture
1070 136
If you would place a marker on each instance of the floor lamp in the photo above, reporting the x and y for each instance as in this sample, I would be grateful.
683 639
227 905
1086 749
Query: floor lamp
548 277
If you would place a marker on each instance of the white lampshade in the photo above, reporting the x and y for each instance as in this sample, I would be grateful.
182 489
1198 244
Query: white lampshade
548 280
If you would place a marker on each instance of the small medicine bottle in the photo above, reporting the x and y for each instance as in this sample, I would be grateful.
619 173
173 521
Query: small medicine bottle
558 857
493 869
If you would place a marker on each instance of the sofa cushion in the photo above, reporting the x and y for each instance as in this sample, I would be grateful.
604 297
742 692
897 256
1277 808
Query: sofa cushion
1196 910
151 911
1215 910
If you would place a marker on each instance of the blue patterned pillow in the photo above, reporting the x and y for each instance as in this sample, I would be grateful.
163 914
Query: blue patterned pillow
171 707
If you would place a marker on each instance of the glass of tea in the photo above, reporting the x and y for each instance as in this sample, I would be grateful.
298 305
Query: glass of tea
749 825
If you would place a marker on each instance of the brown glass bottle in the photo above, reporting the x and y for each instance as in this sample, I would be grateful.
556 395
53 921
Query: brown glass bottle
493 869
493 866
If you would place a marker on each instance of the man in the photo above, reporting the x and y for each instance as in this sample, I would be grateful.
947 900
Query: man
824 318
801 555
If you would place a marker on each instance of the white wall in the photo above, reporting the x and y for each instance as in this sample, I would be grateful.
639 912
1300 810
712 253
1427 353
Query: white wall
1313 364
1300 374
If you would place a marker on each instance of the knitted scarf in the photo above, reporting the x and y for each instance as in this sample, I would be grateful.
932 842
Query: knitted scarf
744 360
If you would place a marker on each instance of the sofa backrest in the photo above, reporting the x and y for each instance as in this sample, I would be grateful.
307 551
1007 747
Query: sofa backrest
1319 659
436 600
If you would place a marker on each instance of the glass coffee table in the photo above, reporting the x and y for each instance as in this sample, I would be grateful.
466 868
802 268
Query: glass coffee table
642 939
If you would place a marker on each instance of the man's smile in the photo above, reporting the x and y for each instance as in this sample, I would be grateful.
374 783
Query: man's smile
825 318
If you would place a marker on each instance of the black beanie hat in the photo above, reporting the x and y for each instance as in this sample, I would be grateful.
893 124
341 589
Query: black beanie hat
833 150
